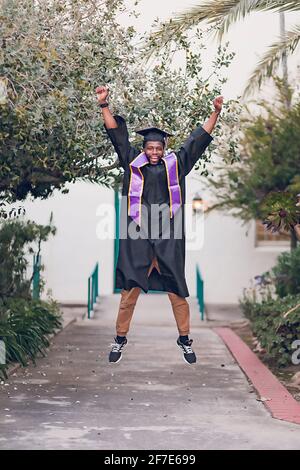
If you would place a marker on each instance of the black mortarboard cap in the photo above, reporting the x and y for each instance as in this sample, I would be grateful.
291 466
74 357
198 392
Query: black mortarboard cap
154 134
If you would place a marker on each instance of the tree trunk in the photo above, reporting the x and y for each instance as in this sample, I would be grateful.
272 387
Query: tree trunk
294 239
284 60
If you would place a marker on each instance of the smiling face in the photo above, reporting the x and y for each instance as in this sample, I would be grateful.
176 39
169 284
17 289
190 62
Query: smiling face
154 151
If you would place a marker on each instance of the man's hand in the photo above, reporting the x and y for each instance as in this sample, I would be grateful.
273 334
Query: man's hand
218 102
209 125
102 94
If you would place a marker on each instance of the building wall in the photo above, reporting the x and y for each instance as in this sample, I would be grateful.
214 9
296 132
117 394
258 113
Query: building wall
70 256
228 258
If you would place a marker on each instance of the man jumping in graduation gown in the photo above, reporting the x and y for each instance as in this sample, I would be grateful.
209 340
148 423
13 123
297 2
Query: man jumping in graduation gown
152 241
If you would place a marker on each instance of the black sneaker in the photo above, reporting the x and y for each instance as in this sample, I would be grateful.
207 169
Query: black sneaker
188 354
115 354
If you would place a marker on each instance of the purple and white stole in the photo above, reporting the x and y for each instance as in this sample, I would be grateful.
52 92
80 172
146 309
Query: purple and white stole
136 185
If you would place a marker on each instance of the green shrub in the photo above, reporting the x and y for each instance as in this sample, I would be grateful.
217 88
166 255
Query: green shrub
25 323
274 331
25 326
286 273
17 238
265 304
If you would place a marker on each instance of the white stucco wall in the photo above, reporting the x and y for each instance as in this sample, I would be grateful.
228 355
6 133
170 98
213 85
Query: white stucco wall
70 256
228 258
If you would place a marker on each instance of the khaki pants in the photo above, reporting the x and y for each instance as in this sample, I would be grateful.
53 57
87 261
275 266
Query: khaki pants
128 301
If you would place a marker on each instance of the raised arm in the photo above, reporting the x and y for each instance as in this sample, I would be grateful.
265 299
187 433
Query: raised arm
209 125
115 127
102 97
196 144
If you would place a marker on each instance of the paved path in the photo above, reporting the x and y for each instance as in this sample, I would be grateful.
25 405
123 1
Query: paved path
152 399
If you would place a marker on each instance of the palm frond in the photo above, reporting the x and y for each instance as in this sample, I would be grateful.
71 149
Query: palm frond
287 5
212 11
272 58
221 14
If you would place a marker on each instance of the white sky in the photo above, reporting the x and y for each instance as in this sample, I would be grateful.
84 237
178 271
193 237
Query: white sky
249 39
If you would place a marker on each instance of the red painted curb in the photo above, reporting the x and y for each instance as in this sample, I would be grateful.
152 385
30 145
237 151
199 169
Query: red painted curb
280 402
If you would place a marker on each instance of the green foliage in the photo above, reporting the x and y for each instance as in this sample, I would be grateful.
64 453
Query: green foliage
25 326
53 56
18 239
280 211
269 162
273 307
286 273
275 332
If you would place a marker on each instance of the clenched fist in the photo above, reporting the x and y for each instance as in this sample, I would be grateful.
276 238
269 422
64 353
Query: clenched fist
102 93
218 102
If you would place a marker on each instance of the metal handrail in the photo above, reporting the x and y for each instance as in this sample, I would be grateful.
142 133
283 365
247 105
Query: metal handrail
36 278
93 290
200 291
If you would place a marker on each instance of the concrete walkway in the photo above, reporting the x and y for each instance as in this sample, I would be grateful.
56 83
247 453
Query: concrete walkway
152 399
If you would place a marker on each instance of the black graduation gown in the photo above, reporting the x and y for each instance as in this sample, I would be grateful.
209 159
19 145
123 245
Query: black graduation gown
136 255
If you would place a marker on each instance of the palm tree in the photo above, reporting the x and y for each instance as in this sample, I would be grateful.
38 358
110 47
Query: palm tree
221 14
